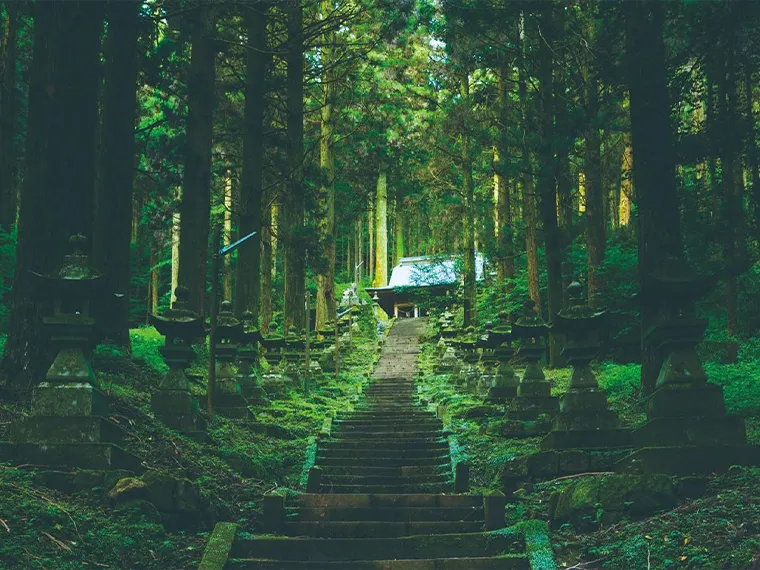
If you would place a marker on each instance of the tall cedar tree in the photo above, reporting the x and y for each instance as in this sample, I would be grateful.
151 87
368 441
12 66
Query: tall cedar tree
113 196
57 194
248 268
195 205
293 202
654 179
8 110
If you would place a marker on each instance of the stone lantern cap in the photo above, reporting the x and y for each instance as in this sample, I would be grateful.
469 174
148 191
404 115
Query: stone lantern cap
252 334
529 324
179 321
578 318
676 286
229 329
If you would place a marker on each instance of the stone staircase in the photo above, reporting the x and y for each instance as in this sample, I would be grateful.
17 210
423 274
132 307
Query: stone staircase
385 493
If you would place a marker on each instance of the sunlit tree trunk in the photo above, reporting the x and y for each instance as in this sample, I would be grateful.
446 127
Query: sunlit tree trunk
399 239
371 232
626 183
175 248
227 236
292 224
326 220
248 271
195 207
503 208
381 229
469 212
530 214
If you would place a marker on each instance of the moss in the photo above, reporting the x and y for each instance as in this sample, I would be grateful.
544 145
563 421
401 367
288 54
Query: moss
538 544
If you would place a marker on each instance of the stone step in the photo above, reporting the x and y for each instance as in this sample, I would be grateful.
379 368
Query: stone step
423 424
386 471
314 500
347 460
385 480
460 545
510 562
360 455
389 489
393 514
378 529
382 445
369 436
410 414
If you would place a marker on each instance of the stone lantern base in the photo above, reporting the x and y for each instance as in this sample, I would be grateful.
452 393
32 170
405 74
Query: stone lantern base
68 427
688 432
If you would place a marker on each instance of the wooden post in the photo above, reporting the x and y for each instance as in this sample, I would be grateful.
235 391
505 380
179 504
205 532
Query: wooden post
211 387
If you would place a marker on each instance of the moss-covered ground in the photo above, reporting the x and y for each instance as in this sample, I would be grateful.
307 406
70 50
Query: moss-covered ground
44 527
720 530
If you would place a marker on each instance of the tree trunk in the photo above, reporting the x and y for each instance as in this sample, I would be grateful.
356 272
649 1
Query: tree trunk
227 237
470 309
371 232
547 189
248 271
113 197
175 247
381 229
195 207
267 269
8 118
528 189
659 232
626 184
399 241
293 203
57 193
326 222
503 210
753 160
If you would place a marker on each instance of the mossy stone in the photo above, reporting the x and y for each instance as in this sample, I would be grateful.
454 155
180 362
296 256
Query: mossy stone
127 489
139 510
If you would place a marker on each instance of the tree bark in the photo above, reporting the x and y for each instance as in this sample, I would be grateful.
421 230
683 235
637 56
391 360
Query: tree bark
293 202
195 207
659 233
113 197
248 271
227 235
470 296
267 270
326 222
528 189
57 193
505 268
399 240
8 112
381 229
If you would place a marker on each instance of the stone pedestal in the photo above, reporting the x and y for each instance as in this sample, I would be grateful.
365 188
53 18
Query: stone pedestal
505 382
534 397
448 362
228 397
687 430
172 403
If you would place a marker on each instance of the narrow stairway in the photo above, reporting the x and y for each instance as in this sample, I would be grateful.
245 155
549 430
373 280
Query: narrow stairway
386 497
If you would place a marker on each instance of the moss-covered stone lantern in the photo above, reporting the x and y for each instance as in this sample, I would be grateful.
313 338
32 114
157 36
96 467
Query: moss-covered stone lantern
69 423
249 369
172 403
504 386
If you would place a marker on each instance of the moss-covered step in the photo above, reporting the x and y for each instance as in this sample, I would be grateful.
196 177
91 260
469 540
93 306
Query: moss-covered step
103 456
432 546
393 514
507 562
378 529
388 500
588 438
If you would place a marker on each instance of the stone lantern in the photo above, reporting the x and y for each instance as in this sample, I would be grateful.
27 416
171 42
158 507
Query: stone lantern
327 358
504 386
69 424
584 420
292 357
228 399
534 397
172 403
272 381
687 429
249 370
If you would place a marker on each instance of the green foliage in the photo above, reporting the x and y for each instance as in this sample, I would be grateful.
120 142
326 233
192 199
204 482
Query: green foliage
7 267
145 344
538 544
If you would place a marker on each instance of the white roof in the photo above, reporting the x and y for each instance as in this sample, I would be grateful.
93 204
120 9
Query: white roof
430 270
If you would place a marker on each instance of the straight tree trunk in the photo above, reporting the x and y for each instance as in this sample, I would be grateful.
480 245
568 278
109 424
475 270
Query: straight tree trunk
399 240
470 316
267 269
371 232
57 193
175 248
113 196
626 183
654 180
248 271
753 160
528 190
8 112
227 236
326 222
195 208
381 229
503 218
547 189
293 204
